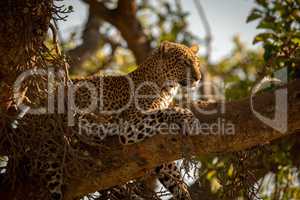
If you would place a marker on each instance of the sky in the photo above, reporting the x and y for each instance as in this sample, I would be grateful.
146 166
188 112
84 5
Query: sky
227 18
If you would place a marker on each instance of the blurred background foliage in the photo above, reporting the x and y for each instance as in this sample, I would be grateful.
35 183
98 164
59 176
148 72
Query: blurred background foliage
265 172
160 20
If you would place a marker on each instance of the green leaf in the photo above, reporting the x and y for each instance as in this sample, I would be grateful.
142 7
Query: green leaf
263 37
267 25
215 185
263 3
255 14
210 174
230 171
296 41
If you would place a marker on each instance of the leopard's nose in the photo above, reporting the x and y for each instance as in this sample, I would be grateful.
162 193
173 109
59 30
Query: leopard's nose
183 82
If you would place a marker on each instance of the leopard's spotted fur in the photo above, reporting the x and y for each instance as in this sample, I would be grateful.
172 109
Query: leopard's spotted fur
167 67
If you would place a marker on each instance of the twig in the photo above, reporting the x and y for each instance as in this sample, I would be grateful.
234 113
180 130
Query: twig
207 28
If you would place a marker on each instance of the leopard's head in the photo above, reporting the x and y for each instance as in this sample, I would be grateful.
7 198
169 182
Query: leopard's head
180 63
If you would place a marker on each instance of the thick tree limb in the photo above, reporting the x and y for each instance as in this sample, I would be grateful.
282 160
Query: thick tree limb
23 28
93 39
126 163
90 43
125 20
18 47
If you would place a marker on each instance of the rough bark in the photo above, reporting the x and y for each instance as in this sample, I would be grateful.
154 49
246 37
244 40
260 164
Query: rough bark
17 48
23 27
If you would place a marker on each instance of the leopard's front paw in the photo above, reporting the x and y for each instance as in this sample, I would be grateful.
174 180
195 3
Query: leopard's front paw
189 125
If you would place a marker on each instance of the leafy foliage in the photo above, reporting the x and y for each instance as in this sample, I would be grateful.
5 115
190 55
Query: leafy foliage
280 20
238 70
268 172
169 23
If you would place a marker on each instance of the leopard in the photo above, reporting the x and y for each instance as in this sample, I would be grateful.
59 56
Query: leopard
142 98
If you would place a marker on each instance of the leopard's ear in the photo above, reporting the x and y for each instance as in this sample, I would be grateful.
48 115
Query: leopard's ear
194 48
164 47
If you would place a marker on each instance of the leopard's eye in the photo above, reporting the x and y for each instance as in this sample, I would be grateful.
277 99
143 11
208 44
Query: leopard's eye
186 62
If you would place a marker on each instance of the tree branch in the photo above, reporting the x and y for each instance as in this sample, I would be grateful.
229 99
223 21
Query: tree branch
90 44
121 164
21 40
125 20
